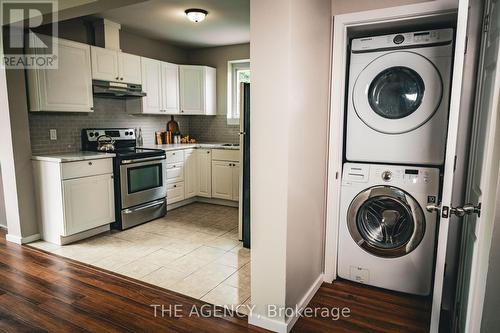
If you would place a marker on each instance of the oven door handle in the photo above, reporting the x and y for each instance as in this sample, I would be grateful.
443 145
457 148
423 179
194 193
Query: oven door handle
149 205
146 159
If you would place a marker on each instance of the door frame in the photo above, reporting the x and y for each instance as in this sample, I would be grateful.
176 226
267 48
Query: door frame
341 26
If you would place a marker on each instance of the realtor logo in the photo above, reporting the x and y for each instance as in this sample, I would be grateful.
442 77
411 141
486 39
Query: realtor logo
23 47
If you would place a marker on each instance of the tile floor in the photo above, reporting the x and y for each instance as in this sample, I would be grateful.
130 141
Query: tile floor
194 250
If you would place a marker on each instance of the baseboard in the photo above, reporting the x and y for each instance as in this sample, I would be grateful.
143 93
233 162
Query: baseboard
304 301
213 201
267 323
285 327
22 240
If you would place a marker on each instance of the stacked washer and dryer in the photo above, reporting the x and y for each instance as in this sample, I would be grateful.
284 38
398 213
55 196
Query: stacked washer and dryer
397 116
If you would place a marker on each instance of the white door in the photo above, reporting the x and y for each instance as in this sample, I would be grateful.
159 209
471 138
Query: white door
190 174
236 181
481 184
129 66
69 87
88 203
151 84
170 87
222 180
104 64
192 89
484 165
204 173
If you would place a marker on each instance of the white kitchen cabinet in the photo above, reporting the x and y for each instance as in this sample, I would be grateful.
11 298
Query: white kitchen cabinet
222 180
151 85
175 192
236 182
190 174
204 159
170 88
197 90
67 88
88 203
160 82
74 199
175 172
112 65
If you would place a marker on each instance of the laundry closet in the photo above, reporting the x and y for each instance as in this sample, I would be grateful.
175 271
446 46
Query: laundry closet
396 96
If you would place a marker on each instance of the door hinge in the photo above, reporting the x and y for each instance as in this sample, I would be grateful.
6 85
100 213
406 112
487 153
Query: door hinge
486 23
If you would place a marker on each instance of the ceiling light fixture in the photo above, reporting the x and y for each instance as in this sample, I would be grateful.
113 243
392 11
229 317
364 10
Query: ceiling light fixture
196 15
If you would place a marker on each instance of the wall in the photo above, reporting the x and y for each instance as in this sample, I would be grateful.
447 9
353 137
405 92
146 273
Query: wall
216 128
349 6
107 113
290 83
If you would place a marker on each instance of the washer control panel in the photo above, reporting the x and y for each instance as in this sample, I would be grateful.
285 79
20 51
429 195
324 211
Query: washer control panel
407 39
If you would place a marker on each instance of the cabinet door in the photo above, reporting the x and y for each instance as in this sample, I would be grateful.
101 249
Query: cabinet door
222 180
190 174
104 64
88 203
192 89
236 181
129 68
170 87
204 173
151 84
67 88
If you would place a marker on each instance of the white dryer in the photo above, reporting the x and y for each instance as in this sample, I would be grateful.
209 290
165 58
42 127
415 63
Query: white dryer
386 236
398 98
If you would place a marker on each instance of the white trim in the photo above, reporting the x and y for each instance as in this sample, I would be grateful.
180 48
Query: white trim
285 327
22 240
304 302
336 130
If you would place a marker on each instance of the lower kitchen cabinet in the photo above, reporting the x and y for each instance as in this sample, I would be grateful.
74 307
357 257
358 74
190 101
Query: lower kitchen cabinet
73 198
204 160
190 174
175 192
225 180
88 202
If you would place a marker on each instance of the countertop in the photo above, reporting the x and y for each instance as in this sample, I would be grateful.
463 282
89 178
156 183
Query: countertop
178 146
72 157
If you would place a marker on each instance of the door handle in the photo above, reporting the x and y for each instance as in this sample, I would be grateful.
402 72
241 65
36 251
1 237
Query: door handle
467 209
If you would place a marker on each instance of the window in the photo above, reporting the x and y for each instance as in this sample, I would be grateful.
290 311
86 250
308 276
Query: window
238 72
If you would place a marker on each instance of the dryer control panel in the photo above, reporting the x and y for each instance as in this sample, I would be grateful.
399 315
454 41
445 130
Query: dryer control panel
403 40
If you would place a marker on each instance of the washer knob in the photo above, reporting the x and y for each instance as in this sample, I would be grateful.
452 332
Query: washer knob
386 176
398 39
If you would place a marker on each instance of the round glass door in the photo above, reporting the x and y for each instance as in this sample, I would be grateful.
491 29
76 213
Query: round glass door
386 221
397 92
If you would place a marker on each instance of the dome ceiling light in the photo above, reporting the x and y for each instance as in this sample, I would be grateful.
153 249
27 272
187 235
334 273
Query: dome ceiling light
195 14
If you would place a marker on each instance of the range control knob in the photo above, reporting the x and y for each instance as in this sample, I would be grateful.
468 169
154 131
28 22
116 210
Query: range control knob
398 39
96 133
386 176
91 134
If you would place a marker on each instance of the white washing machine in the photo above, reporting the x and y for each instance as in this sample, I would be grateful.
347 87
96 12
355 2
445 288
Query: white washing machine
386 236
398 98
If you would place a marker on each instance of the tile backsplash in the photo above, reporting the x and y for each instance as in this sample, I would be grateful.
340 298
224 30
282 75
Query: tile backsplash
213 129
108 112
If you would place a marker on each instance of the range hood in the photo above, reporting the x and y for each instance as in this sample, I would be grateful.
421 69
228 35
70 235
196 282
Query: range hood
117 89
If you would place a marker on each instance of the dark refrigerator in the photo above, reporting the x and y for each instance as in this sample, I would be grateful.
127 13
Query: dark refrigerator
245 146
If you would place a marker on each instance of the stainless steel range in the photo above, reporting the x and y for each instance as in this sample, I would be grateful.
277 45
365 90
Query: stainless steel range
139 174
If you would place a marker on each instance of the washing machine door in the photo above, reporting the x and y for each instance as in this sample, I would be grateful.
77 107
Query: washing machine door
386 221
397 92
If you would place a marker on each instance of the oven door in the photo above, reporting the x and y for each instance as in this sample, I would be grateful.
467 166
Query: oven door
142 180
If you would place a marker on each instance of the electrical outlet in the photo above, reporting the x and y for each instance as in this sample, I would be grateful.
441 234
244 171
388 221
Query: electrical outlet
53 134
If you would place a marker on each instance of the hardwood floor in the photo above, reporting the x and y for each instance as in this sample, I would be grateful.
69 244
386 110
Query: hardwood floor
43 292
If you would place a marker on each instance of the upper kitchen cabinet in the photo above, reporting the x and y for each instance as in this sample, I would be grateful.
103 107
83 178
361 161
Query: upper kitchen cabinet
112 65
160 82
197 90
67 88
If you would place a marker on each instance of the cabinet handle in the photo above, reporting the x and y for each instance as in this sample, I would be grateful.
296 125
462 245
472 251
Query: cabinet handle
208 151
91 108
121 78
175 185
117 78
112 177
90 163
174 166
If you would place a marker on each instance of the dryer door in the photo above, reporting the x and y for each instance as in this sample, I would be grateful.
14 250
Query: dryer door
397 92
386 221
